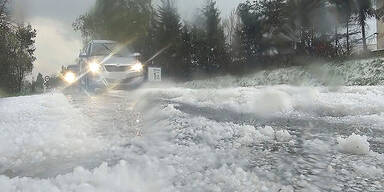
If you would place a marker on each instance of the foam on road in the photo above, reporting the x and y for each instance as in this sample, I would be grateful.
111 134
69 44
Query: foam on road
42 128
175 152
275 138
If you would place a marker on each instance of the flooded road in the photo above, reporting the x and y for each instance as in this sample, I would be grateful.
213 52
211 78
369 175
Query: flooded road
181 138
286 137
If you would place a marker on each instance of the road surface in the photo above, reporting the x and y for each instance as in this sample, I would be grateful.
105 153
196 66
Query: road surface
179 138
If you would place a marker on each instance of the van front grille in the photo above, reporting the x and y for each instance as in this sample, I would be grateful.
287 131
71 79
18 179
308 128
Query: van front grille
114 68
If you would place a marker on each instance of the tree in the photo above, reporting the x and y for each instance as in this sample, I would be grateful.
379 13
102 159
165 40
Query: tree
39 83
186 52
346 11
307 18
216 50
120 20
230 25
16 52
257 34
168 38
248 36
364 10
3 4
198 49
25 49
275 29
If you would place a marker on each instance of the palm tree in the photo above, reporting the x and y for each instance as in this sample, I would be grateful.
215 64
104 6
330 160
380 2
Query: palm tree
364 10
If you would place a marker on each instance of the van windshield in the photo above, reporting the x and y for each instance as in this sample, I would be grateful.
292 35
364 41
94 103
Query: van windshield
105 49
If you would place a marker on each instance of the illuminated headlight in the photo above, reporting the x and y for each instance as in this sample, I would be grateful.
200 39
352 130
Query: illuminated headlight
94 67
138 67
70 77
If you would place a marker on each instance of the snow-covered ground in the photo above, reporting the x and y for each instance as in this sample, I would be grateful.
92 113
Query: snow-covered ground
196 137
351 73
275 138
42 129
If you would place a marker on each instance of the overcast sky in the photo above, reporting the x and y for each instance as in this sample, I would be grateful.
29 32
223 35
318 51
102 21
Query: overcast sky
57 44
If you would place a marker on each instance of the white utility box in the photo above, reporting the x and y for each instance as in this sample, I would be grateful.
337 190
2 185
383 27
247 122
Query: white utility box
154 74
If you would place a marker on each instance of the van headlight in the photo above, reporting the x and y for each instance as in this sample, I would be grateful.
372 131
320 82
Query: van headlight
70 77
138 67
94 67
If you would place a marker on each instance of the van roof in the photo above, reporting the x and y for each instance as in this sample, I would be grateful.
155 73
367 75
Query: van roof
102 41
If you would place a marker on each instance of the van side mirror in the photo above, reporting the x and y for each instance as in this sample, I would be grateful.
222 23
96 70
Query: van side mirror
83 55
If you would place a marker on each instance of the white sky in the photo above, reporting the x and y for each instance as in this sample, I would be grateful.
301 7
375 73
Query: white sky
57 44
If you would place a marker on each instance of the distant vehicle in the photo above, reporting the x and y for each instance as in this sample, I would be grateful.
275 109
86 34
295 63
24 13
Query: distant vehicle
71 75
105 64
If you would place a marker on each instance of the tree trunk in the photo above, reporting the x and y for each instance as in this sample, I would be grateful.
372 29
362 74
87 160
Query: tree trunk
365 47
336 37
347 36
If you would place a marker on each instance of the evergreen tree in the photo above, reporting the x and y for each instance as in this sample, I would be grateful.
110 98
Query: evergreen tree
217 58
39 84
248 36
198 50
120 20
186 52
168 38
276 33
